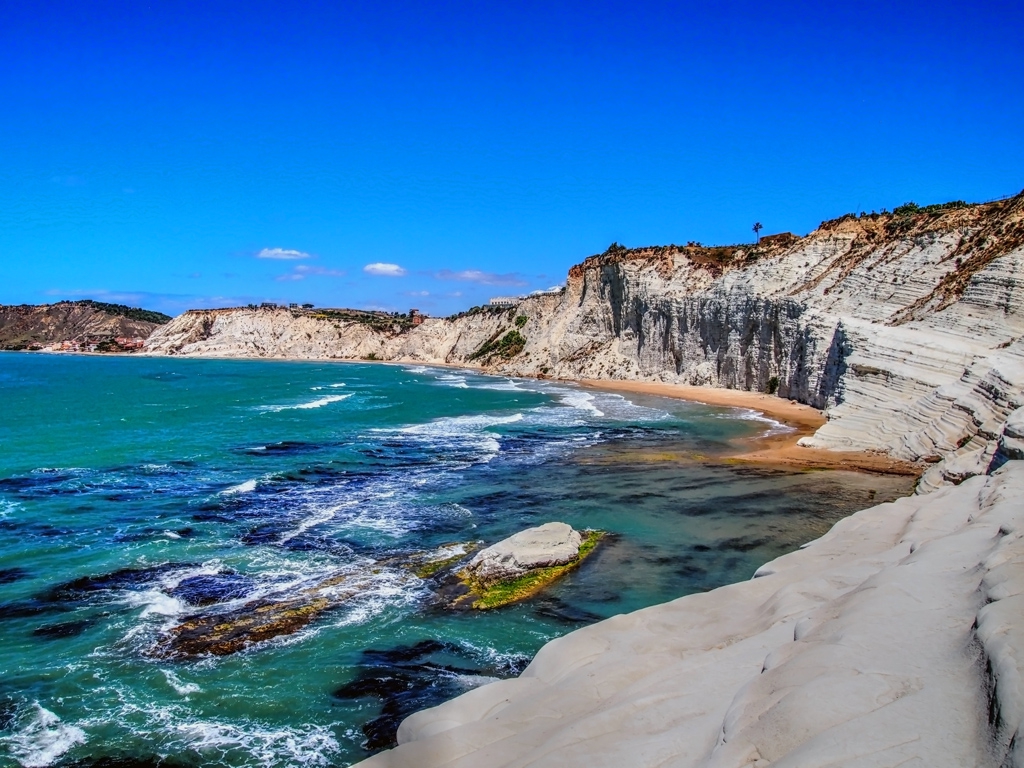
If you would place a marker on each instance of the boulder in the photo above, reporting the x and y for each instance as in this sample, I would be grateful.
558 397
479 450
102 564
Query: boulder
541 547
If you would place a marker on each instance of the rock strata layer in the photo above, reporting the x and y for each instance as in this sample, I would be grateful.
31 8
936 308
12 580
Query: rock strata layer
896 639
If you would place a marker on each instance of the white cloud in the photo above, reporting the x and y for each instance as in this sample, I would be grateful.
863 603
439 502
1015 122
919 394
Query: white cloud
282 253
483 278
417 293
383 269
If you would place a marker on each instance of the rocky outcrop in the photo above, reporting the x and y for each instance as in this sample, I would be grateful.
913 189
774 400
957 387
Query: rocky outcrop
518 567
906 327
540 547
895 639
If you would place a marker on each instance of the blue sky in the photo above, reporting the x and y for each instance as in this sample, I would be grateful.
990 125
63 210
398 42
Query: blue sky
210 154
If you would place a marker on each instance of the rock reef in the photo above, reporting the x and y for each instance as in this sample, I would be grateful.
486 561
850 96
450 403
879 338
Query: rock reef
895 639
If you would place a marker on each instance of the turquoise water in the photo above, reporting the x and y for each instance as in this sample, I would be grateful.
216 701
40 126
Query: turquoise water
137 494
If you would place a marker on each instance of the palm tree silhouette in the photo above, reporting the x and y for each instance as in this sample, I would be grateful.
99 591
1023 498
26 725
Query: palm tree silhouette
757 230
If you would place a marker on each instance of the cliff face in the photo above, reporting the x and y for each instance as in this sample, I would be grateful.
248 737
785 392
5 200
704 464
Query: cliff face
26 326
906 327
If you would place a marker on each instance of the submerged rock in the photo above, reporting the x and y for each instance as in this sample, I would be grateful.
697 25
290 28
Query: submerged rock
408 678
65 629
225 632
208 589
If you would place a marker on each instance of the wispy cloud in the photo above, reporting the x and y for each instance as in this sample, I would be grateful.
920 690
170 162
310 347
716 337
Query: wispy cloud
417 293
384 269
284 254
302 271
483 278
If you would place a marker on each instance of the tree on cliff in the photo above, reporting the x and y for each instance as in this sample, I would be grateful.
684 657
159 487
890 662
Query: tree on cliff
757 230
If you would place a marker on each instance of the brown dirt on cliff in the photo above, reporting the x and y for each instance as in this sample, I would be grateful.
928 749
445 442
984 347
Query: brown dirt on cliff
716 259
26 326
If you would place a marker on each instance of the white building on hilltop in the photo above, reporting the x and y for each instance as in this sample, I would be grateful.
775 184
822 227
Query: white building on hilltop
504 301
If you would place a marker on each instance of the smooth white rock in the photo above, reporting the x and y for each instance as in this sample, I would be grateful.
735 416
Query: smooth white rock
540 547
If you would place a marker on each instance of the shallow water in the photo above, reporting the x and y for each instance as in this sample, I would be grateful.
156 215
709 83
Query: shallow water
138 493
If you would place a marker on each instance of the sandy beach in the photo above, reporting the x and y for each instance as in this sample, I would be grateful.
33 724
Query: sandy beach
778 449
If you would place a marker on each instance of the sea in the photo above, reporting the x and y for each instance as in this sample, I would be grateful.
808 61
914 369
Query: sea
228 563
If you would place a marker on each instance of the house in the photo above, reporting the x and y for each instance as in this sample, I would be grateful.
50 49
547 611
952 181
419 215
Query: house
416 316
504 301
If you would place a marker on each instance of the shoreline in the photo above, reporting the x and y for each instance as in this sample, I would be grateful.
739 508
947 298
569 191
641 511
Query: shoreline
771 450
780 450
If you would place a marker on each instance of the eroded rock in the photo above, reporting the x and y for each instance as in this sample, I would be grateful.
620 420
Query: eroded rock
540 547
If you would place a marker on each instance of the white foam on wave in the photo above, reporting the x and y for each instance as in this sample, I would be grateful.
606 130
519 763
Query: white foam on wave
318 403
463 432
584 401
178 730
181 688
749 414
261 745
496 658
155 603
460 425
43 740
449 380
323 515
171 580
503 385
247 487
388 591
6 508
329 386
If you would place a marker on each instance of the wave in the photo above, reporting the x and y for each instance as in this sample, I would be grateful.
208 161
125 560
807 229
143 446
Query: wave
328 386
44 739
460 425
456 381
182 689
247 487
749 414
318 403
6 508
581 400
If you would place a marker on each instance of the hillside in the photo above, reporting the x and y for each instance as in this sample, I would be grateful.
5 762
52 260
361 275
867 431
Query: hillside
81 324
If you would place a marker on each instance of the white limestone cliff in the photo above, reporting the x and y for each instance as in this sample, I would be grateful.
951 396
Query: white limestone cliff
897 639
908 329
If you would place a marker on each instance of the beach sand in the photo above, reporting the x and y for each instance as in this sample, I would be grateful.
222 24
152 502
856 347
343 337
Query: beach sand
770 450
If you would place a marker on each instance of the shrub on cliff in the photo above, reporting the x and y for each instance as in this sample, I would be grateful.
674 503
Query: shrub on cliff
508 346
